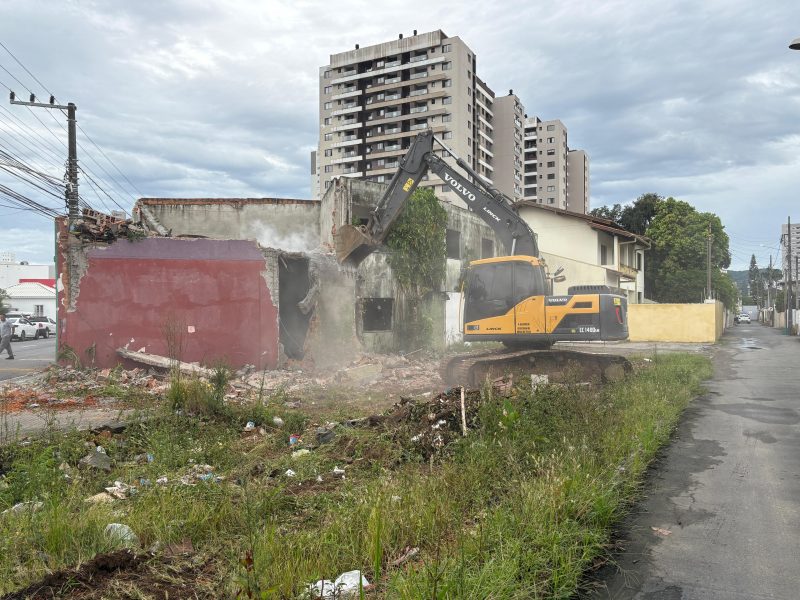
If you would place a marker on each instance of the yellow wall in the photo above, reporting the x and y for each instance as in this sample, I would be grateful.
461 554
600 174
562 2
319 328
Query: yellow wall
703 323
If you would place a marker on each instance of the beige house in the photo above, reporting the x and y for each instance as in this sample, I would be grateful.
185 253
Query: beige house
591 250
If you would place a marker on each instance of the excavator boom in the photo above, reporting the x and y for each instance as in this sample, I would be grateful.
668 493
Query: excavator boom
354 243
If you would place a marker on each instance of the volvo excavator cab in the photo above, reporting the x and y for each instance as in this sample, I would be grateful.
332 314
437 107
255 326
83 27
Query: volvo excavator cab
507 299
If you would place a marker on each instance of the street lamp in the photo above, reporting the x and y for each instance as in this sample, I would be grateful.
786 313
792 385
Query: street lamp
795 45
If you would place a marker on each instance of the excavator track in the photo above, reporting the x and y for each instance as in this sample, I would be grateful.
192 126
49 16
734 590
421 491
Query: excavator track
471 370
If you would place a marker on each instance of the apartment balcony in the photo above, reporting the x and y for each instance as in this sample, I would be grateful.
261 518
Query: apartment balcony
347 158
485 136
430 113
348 125
418 109
352 76
418 58
484 107
418 127
347 110
485 165
397 151
628 271
415 93
418 75
347 94
351 141
405 134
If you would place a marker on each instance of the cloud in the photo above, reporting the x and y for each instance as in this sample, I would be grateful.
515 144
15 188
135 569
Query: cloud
695 100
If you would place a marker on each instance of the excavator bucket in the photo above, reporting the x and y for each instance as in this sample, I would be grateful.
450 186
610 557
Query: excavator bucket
353 245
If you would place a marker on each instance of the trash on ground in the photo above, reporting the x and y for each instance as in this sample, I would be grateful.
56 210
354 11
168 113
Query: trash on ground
96 460
101 498
121 535
300 453
661 531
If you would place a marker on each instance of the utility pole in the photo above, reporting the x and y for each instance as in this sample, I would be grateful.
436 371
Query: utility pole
789 303
769 291
71 195
708 262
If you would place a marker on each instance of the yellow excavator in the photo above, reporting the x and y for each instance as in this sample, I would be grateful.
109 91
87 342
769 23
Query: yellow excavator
507 298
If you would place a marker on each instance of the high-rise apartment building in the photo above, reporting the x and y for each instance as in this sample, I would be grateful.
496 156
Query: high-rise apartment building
554 175
374 100
577 181
509 126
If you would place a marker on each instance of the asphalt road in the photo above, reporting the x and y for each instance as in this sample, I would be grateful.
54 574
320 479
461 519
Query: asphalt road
29 356
727 488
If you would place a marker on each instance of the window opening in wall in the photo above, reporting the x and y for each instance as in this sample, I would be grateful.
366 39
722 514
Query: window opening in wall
603 254
453 244
376 314
487 248
38 310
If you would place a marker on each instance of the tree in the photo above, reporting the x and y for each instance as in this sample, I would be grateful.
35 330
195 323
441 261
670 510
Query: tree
3 298
418 261
677 261
753 287
635 217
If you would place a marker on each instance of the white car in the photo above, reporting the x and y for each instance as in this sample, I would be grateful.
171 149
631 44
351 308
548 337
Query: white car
22 329
744 318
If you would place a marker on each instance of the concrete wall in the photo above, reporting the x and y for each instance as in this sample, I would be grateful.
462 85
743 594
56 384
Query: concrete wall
222 295
291 225
702 323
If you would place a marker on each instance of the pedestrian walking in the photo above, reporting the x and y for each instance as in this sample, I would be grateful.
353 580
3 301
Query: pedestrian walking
6 331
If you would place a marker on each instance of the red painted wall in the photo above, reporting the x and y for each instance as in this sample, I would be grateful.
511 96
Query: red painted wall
131 289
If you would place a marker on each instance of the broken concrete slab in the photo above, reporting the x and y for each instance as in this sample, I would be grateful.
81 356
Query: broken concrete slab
96 460
365 372
164 362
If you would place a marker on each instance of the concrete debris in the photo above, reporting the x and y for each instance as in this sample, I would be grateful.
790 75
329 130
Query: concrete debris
392 374
120 490
99 227
96 460
68 388
23 507
163 362
324 435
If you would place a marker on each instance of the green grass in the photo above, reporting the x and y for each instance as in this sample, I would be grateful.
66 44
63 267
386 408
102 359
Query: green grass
519 508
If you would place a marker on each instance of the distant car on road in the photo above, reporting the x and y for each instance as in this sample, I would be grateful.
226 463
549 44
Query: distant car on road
46 325
22 329
743 318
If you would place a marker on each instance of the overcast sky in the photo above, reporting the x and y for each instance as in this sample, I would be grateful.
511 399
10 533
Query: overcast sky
218 98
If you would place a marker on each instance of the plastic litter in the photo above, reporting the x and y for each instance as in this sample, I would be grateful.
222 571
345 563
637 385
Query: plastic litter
322 589
251 426
294 439
290 473
339 472
121 535
277 421
162 480
346 585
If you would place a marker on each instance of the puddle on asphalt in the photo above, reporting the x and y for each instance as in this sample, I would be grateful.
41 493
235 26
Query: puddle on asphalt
749 344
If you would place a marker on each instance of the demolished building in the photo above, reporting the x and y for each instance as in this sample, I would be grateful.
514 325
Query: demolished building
245 282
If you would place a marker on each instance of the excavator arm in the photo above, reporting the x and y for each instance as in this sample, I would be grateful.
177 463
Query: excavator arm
353 244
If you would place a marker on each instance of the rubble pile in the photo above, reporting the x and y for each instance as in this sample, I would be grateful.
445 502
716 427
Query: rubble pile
427 425
65 387
99 227
389 373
